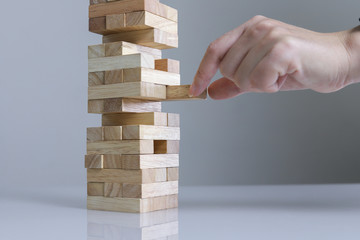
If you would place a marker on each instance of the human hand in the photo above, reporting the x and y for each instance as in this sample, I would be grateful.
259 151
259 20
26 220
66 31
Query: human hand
265 55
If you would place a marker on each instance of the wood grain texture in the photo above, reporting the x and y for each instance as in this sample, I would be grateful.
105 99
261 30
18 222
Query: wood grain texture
137 90
154 38
167 65
120 62
94 134
126 6
112 133
95 189
150 76
182 93
96 51
150 190
173 174
166 146
146 118
112 161
126 48
121 147
113 76
96 78
150 132
119 105
113 190
150 161
173 119
94 161
127 176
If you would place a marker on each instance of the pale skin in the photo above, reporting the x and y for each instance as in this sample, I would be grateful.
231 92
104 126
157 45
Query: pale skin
265 55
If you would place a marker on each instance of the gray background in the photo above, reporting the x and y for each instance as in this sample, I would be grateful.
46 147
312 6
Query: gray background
284 138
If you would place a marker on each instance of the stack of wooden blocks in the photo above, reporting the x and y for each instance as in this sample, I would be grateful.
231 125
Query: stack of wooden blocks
132 160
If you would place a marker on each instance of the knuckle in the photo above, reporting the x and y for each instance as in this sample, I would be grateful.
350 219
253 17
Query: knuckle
213 47
265 25
275 32
257 18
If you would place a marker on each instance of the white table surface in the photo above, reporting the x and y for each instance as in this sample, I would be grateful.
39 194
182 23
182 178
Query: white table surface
229 212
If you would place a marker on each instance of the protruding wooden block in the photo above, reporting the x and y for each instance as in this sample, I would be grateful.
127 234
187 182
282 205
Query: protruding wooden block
118 105
151 132
126 48
145 118
94 134
154 38
115 22
173 120
112 133
97 25
173 174
126 6
132 204
166 146
137 90
113 190
113 76
127 176
95 189
167 65
121 62
182 93
150 161
94 161
96 78
150 76
150 190
112 161
121 147
96 51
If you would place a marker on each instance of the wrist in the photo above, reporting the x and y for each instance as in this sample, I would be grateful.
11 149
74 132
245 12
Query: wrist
352 44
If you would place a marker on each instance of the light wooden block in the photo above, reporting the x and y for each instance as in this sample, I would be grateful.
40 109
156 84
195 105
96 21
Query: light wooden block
167 65
166 146
146 118
96 51
154 38
115 22
150 76
150 161
150 190
137 90
112 133
96 78
119 105
182 93
173 174
113 190
121 147
120 62
126 6
134 205
112 161
94 134
173 120
113 76
127 176
151 132
126 48
94 161
95 189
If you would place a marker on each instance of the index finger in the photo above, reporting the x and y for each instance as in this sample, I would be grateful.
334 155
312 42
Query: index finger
214 54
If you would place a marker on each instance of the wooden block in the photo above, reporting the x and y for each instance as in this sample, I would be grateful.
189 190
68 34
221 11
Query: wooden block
120 62
96 51
126 6
112 161
167 65
94 134
150 190
115 22
112 133
121 147
97 1
166 146
95 189
182 93
154 38
150 76
126 48
150 132
146 118
127 176
149 161
96 78
133 205
118 105
173 174
173 120
113 76
113 190
97 25
137 90
94 161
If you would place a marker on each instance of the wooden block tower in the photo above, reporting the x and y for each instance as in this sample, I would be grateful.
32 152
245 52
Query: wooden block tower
132 160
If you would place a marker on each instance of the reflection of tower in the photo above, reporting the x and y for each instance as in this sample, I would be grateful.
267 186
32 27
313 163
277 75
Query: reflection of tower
133 158
153 225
